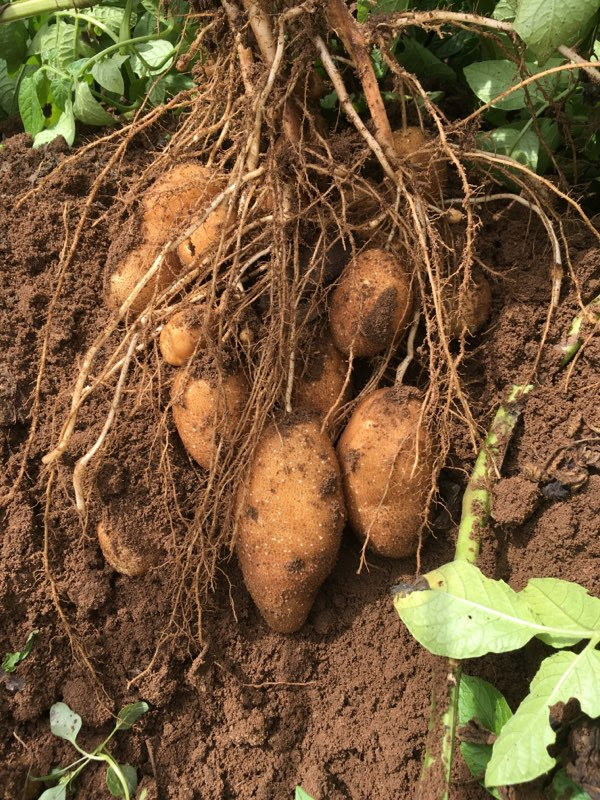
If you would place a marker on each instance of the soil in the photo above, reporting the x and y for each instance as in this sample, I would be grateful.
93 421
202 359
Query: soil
342 706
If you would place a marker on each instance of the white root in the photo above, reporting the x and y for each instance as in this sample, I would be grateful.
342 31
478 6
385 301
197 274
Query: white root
81 464
410 349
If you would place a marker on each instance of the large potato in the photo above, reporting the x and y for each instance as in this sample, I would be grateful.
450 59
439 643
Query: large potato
180 337
205 409
387 462
319 386
415 147
204 237
371 305
125 549
290 520
132 269
168 205
469 313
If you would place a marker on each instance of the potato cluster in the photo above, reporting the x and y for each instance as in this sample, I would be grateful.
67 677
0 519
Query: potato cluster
301 487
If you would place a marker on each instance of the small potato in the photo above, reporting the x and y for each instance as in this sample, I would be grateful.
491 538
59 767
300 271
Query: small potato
385 498
132 269
180 336
290 520
169 203
371 305
204 408
470 313
415 146
319 387
121 551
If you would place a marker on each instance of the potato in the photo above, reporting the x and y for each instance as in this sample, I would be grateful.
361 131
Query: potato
180 336
168 205
386 501
290 520
204 237
322 379
371 305
203 408
471 312
415 146
119 548
132 269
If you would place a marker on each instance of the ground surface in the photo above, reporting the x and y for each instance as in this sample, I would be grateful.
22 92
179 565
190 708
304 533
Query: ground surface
341 706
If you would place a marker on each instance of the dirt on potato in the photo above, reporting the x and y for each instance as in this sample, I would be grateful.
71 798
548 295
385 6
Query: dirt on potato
342 706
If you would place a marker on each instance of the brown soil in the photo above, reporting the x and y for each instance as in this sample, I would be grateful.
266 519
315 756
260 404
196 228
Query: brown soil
342 706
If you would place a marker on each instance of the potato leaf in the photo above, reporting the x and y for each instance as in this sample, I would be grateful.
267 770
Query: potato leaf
129 715
87 109
489 79
64 126
8 87
479 700
564 788
54 793
300 794
64 722
152 57
30 108
424 64
546 24
465 615
107 73
520 753
509 141
114 785
558 603
13 44
12 660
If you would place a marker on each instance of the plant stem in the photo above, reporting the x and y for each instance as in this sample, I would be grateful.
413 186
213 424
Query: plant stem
12 12
475 516
574 341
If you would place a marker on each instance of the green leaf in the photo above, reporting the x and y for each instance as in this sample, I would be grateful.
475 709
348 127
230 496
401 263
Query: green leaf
57 44
64 126
30 109
329 101
563 604
111 17
366 7
505 10
465 615
423 63
114 785
8 88
509 141
11 660
301 794
479 700
13 44
151 57
54 793
60 91
107 73
564 788
64 722
129 714
87 109
546 24
520 753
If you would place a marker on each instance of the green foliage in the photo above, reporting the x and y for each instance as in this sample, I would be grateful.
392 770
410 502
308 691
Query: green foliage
121 779
300 794
94 66
464 614
12 660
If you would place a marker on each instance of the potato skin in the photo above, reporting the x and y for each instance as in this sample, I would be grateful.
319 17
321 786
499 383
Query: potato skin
414 146
202 408
473 311
290 520
371 305
132 269
204 237
119 553
179 338
320 384
376 452
168 204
